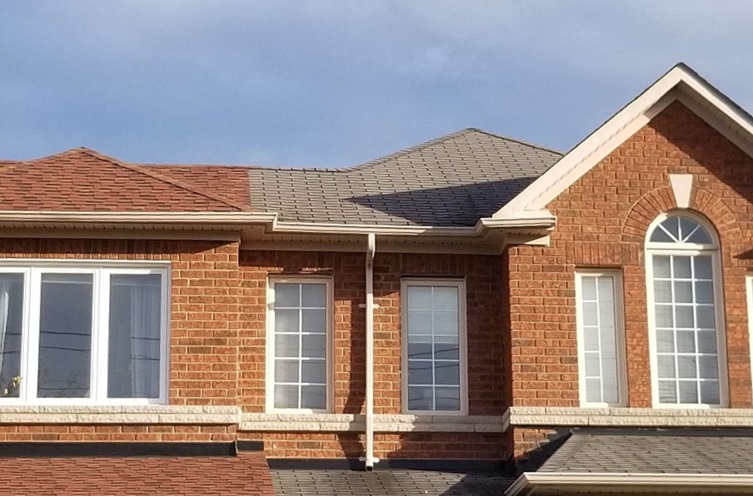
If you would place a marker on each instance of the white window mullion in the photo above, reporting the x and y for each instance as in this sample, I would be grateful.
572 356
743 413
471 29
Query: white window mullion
32 340
101 335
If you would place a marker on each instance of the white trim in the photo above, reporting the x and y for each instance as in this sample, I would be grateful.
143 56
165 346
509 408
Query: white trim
458 283
55 217
270 345
519 416
100 270
675 84
364 229
682 185
572 480
620 344
686 249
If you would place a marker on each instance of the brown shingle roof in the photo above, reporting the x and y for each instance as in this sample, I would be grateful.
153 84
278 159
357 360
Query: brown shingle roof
451 181
188 476
82 180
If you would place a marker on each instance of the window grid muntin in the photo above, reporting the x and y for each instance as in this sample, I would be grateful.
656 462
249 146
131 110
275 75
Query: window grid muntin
300 359
695 329
433 286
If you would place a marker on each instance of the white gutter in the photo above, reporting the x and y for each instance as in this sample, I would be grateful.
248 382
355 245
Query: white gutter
530 481
383 230
370 252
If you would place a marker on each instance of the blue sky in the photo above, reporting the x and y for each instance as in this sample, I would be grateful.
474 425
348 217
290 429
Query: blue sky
339 82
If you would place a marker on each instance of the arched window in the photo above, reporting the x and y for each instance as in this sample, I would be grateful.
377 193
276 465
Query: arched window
682 267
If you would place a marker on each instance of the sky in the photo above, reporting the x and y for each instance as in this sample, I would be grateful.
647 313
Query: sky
332 83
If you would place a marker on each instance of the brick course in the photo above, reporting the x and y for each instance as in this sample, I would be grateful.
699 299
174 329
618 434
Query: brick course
602 221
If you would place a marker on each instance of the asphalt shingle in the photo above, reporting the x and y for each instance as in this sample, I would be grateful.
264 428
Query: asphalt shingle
296 482
646 451
451 181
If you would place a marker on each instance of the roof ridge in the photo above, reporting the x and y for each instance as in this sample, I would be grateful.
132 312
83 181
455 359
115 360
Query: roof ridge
174 182
516 140
394 155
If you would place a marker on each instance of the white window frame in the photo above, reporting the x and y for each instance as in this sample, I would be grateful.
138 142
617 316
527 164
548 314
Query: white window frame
749 300
270 348
462 340
686 249
101 271
620 342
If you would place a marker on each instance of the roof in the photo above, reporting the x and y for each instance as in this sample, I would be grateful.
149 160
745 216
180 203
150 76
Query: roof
82 180
298 482
450 181
654 452
137 475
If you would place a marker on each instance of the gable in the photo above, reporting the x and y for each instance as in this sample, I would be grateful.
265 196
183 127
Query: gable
680 84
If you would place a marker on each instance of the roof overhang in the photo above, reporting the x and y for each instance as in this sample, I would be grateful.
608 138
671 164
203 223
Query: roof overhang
542 483
679 84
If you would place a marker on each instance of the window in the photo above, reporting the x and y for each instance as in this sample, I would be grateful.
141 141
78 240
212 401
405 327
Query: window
682 267
78 334
434 346
600 339
299 333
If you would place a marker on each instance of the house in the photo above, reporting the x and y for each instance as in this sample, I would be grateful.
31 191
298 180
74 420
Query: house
474 301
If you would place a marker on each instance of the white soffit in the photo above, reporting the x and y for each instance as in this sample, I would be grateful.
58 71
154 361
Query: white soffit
680 83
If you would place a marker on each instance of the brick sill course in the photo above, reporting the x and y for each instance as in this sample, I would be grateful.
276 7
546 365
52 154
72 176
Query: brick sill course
148 414
626 417
328 422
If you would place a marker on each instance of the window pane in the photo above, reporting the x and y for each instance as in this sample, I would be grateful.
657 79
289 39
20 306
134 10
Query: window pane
708 367
133 367
683 292
681 267
313 371
663 291
313 295
447 373
286 371
314 397
665 341
314 346
702 267
65 336
686 367
672 226
660 236
446 322
445 298
598 323
286 346
686 341
448 399
287 295
419 348
588 286
11 325
286 396
710 393
684 317
664 316
419 298
661 267
446 351
420 373
666 366
420 322
688 392
705 317
287 320
707 342
314 321
704 292
668 391
420 398
700 236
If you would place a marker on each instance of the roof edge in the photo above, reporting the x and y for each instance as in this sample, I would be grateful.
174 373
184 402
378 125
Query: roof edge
531 480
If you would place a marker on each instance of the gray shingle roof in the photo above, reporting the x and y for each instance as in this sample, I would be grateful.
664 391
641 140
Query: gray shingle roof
451 181
297 482
652 452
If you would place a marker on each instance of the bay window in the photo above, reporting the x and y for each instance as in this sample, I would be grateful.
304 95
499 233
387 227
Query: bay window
83 333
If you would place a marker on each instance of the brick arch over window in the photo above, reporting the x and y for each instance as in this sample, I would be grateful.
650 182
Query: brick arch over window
661 200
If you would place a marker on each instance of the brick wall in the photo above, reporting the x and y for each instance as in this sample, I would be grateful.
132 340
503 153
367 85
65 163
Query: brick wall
485 373
115 433
601 222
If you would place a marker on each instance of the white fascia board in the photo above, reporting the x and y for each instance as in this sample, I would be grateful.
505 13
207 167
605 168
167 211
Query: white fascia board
365 229
526 219
219 218
553 480
618 129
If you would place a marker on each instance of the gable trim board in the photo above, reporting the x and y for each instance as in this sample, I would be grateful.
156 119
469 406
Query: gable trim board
529 482
679 84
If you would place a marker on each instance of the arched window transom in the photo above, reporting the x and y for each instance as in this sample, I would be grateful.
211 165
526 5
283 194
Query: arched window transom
683 280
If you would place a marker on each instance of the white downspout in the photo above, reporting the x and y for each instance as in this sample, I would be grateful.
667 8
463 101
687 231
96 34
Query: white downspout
370 252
